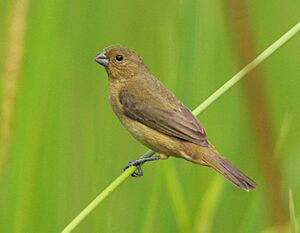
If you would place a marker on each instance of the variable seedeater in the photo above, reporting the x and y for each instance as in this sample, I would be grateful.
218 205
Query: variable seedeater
155 117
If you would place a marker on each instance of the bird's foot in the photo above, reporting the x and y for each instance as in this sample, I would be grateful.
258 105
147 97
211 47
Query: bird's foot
138 163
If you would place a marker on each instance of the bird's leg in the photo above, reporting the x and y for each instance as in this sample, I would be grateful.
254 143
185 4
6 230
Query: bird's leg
138 163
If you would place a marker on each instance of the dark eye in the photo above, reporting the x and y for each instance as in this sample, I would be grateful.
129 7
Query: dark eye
119 57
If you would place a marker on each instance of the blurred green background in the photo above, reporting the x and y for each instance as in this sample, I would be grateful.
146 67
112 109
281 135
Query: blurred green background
61 144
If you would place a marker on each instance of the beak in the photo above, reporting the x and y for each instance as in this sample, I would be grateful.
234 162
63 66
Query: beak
102 59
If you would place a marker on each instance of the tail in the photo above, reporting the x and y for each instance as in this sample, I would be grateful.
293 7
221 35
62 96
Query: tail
225 168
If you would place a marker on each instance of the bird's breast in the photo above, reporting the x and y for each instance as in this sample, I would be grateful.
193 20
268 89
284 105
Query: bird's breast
149 137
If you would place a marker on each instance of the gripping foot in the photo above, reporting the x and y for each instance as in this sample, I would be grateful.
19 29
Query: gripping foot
138 163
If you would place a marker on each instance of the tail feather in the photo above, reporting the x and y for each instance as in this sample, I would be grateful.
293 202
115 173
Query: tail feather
232 173
225 168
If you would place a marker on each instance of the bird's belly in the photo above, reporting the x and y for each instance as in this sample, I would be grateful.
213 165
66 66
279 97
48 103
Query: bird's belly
151 138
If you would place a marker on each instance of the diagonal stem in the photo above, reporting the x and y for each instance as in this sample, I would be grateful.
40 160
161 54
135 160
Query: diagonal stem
205 104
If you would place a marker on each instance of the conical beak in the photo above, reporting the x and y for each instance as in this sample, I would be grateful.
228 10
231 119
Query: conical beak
102 59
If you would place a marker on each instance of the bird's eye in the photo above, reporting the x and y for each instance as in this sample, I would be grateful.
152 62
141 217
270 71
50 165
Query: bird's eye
119 57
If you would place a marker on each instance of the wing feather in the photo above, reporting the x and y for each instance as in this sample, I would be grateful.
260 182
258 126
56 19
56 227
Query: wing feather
176 121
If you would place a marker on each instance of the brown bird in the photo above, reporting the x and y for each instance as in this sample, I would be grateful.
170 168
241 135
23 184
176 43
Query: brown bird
155 117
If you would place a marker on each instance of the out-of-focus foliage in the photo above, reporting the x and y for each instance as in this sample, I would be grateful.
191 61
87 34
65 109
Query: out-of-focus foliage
65 144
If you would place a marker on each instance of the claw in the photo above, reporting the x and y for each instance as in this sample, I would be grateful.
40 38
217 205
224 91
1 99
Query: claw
138 163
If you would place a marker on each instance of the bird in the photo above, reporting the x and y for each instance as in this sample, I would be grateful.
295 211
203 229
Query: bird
157 118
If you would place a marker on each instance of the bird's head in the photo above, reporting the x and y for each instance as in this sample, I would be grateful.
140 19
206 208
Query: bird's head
120 62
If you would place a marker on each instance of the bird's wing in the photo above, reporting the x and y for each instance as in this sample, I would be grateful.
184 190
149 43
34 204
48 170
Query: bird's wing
165 117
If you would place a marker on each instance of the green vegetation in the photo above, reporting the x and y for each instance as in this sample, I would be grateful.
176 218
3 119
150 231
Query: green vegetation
61 144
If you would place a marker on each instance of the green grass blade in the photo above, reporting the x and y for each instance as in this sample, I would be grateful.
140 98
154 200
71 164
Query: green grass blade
87 210
204 217
243 72
177 199
152 205
293 220
283 132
